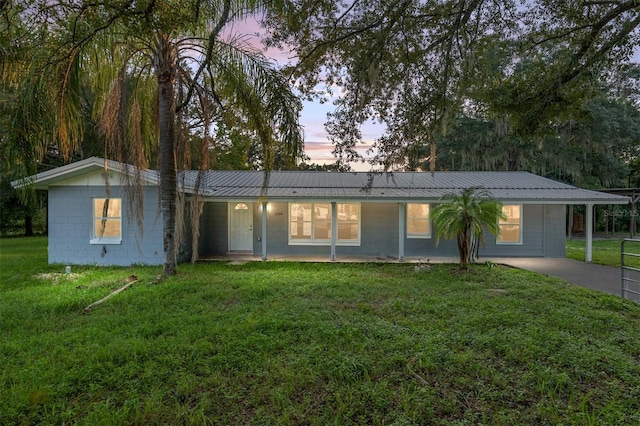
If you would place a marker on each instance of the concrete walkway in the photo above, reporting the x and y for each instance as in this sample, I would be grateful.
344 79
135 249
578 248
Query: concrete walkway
596 277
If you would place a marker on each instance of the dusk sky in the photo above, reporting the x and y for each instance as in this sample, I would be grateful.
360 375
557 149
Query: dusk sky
317 145
314 114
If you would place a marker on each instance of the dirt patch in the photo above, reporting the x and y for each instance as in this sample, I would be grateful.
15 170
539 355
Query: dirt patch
55 277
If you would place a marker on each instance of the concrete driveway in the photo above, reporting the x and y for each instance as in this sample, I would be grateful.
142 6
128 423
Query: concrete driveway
596 277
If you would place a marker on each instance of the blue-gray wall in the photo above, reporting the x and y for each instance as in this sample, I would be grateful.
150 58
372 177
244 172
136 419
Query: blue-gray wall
555 230
543 234
70 228
71 216
214 237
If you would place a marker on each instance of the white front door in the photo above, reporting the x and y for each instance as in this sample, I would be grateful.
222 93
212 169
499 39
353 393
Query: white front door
240 227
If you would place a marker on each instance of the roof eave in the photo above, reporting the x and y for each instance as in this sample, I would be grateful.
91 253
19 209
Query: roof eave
285 199
45 179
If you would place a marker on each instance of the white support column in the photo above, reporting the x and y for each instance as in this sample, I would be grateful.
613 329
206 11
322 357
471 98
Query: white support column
402 207
264 230
588 233
334 229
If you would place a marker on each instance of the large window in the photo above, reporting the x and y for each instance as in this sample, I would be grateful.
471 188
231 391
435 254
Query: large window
310 223
107 221
348 222
418 221
511 226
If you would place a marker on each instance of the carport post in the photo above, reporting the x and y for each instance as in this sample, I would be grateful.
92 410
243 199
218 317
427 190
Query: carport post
401 216
264 230
588 233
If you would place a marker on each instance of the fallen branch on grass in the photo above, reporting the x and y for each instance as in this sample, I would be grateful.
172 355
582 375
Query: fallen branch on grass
416 375
129 281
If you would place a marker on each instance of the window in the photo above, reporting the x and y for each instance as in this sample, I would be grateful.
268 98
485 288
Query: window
311 224
348 222
418 221
241 206
107 221
511 226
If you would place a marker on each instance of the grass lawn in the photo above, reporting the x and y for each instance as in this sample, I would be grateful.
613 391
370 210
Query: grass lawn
292 343
604 251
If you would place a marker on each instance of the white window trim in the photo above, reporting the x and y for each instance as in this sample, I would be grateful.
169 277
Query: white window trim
104 240
418 236
520 240
322 242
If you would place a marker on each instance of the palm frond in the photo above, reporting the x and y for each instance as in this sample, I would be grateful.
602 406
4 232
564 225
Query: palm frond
253 86
465 216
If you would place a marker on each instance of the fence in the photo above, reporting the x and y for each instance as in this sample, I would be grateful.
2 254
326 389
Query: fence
630 269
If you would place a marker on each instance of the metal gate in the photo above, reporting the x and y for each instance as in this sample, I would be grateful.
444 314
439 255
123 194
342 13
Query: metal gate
630 269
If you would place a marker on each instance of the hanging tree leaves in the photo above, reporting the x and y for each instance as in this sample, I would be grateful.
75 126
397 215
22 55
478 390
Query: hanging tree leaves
413 65
161 72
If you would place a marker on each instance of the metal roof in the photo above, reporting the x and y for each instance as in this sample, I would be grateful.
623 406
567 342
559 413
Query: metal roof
292 185
505 186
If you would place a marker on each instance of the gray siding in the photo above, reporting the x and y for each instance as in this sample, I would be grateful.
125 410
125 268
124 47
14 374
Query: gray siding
278 234
426 247
555 230
70 228
543 234
214 237
533 236
379 236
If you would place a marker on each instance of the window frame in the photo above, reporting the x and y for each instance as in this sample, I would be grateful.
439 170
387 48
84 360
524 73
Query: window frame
95 239
322 241
423 236
520 226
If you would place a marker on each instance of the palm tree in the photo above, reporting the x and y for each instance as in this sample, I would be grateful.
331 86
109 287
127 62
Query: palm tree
164 76
465 216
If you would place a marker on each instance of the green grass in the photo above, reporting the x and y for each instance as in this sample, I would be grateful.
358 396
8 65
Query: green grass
604 251
297 344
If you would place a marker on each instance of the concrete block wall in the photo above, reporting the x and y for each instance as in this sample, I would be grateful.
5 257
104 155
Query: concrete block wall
71 222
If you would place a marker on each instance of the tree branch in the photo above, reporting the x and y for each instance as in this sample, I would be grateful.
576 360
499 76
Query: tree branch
213 35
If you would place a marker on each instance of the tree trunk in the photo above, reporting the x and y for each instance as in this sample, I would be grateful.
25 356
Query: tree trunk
464 241
165 71
613 223
432 155
632 224
28 226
